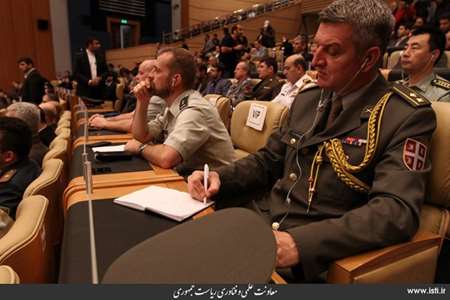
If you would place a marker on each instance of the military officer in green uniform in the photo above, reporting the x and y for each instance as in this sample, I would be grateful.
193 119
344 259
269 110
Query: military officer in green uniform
423 49
17 171
189 133
347 172
269 86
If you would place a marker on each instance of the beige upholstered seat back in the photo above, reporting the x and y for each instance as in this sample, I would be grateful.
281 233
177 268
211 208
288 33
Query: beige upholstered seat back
223 107
58 149
8 276
50 185
24 247
435 214
393 59
248 140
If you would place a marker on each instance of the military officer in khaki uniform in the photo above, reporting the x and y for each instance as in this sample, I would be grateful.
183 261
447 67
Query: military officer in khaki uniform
423 49
269 86
347 172
190 129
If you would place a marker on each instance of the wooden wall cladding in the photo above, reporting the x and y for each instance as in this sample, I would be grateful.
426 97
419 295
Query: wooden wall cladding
20 36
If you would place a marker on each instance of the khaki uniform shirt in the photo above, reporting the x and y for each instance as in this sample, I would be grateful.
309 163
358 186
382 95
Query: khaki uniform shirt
192 126
341 221
289 91
433 87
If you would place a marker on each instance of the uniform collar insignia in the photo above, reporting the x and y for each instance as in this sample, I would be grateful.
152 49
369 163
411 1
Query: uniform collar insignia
184 103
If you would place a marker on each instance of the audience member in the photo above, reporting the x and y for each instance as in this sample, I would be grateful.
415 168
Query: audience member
231 50
88 70
17 171
403 31
267 35
190 128
109 87
269 86
30 114
324 218
122 122
297 80
201 78
32 88
258 51
216 83
46 131
423 49
287 47
241 88
444 23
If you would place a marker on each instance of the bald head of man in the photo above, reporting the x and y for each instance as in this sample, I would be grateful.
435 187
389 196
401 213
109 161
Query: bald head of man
144 69
294 68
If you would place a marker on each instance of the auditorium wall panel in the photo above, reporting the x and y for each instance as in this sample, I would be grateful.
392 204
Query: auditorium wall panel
20 37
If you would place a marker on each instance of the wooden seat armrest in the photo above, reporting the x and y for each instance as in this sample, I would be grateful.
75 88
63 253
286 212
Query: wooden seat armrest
344 270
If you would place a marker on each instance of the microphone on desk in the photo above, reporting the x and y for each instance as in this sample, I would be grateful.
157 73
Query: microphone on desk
87 172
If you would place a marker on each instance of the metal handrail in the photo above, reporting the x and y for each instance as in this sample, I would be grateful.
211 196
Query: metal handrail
222 21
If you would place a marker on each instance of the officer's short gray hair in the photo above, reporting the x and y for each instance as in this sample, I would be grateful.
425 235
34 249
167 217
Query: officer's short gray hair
27 112
371 20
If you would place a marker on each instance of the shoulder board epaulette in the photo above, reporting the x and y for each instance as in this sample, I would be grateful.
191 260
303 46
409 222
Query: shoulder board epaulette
308 87
413 98
184 103
441 83
7 176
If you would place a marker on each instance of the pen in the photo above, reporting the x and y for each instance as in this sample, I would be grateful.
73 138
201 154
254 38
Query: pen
205 180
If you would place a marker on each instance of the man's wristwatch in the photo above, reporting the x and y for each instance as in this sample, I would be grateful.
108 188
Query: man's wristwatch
141 148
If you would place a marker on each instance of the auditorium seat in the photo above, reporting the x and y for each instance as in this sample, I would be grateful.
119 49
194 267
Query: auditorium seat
8 276
59 150
393 59
50 185
247 140
223 106
24 248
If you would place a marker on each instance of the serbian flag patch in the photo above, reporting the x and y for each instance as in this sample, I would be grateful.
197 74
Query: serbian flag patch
414 155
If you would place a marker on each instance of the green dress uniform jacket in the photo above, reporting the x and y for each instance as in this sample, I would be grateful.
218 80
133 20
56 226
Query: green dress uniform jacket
14 180
266 89
341 221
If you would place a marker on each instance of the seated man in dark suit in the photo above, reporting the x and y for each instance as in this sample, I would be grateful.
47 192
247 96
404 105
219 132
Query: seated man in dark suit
33 86
17 171
30 114
269 86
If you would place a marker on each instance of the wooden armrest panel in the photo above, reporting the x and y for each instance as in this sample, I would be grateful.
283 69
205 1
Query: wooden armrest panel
343 270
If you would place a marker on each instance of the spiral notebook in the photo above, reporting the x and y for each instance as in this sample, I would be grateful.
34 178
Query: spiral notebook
170 203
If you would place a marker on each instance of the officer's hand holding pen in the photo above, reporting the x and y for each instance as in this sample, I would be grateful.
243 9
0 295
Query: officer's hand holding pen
196 188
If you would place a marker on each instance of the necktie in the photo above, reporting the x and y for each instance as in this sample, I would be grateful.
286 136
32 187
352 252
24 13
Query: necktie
336 109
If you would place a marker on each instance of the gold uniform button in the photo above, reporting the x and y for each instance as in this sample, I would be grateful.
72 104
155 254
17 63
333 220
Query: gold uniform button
293 176
293 141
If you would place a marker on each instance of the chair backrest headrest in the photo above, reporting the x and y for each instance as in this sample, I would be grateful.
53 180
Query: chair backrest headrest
45 183
439 180
223 106
57 149
393 59
8 276
30 217
249 139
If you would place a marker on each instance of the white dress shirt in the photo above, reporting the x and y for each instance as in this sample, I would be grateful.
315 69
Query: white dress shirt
289 91
92 64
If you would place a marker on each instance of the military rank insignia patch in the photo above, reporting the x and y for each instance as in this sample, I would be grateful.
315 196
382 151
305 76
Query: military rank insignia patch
414 155
184 103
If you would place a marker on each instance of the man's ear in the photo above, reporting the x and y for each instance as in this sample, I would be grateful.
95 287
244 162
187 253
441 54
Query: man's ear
371 59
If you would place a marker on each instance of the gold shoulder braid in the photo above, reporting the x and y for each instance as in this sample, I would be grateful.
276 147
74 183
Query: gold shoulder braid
335 152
